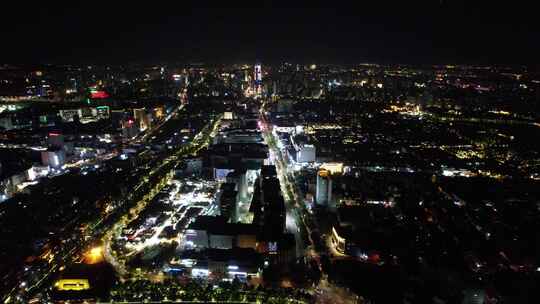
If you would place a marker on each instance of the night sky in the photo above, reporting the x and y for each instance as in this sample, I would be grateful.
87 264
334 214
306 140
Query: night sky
323 31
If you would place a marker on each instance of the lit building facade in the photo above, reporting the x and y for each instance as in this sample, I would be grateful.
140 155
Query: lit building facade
53 158
323 194
306 154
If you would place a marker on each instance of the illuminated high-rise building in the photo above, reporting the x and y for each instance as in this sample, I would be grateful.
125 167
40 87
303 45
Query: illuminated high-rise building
258 74
141 118
323 194
257 78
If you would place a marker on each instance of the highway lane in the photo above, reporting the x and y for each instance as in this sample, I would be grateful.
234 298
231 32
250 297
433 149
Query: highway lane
324 291
293 204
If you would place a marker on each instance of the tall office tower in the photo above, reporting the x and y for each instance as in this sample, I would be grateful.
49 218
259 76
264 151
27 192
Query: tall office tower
238 177
228 198
141 118
257 77
323 195
273 206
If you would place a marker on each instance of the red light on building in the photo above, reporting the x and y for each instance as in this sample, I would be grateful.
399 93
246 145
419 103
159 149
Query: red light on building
99 95
374 258
54 134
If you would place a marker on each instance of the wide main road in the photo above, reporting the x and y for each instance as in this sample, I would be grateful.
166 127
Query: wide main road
295 216
325 291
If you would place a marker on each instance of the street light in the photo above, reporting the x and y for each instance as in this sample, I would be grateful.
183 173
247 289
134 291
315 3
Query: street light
95 255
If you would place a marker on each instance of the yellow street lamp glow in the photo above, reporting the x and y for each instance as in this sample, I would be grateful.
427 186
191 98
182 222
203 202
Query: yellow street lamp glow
96 251
95 255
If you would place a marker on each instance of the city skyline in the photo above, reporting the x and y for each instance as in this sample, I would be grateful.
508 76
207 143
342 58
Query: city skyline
264 152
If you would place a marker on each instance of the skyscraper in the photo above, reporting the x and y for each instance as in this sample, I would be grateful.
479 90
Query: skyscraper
257 77
323 195
141 118
258 74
